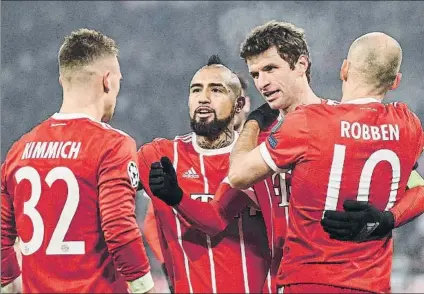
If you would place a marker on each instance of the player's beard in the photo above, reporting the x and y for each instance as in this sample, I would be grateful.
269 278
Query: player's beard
213 129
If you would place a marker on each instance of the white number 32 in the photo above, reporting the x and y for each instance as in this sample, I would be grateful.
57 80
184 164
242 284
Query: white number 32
56 245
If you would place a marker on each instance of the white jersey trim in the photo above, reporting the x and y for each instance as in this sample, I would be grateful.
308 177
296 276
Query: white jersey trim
208 238
243 256
209 152
177 221
364 100
185 138
63 116
68 116
331 102
142 284
268 159
268 279
272 219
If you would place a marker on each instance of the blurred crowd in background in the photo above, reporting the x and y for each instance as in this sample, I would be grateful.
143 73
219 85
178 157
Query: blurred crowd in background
162 44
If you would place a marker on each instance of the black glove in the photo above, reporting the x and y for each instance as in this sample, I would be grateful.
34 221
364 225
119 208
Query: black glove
264 115
163 182
360 221
415 166
140 186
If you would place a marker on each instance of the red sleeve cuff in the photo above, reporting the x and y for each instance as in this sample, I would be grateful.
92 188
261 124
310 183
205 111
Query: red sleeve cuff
10 269
409 207
131 260
204 216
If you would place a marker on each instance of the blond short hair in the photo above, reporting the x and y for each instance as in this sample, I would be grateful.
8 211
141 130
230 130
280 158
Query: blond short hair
84 46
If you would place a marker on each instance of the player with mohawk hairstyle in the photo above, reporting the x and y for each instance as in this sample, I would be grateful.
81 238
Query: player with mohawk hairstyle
236 260
341 225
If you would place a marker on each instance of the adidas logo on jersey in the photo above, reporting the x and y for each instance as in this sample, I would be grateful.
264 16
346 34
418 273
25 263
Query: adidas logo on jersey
191 173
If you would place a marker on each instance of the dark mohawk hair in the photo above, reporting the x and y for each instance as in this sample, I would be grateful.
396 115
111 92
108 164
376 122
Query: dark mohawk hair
215 59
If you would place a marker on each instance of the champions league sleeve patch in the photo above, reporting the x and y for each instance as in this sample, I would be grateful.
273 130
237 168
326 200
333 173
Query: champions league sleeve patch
272 141
132 170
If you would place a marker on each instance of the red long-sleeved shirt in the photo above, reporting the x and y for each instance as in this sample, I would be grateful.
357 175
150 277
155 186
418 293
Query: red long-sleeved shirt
68 192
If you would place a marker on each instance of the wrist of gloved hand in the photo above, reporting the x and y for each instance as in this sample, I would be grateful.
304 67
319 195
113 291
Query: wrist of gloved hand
387 224
360 221
176 197
264 115
170 195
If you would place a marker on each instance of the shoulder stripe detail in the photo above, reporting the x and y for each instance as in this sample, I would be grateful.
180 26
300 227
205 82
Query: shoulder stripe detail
185 138
106 126
332 102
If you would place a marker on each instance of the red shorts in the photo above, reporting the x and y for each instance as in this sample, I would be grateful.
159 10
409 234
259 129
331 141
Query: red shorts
316 288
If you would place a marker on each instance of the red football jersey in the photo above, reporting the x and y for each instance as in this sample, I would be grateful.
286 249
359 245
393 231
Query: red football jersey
68 193
150 232
362 150
236 260
271 195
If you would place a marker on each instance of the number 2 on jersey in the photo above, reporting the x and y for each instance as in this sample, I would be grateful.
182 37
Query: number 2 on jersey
56 245
334 183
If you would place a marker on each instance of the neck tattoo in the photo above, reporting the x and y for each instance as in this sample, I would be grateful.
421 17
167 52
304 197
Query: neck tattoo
223 140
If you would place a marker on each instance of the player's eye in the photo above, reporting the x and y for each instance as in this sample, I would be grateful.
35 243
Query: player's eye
254 75
195 90
269 68
217 90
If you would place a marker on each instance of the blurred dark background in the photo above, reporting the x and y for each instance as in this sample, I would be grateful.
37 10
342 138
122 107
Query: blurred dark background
162 44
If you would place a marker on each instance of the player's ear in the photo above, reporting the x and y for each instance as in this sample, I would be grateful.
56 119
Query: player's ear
303 63
60 81
344 70
106 82
247 105
396 83
240 102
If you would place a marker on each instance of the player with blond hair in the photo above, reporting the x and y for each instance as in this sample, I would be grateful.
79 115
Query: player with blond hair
68 186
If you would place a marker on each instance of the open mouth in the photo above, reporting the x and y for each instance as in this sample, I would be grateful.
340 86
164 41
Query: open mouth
271 95
204 111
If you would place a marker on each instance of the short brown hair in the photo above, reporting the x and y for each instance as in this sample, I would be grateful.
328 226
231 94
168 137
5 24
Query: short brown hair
243 81
84 46
287 38
381 73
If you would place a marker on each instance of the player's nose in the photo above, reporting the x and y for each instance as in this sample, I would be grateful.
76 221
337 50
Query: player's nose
204 97
263 81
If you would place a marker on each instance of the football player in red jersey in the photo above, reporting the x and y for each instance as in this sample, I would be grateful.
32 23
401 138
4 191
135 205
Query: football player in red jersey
68 186
149 224
150 231
237 260
334 152
215 215
271 194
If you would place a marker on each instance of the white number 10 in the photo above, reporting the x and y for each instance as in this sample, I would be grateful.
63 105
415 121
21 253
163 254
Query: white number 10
56 245
336 172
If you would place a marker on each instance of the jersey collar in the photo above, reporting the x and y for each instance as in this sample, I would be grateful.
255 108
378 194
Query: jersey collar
364 100
62 116
203 151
